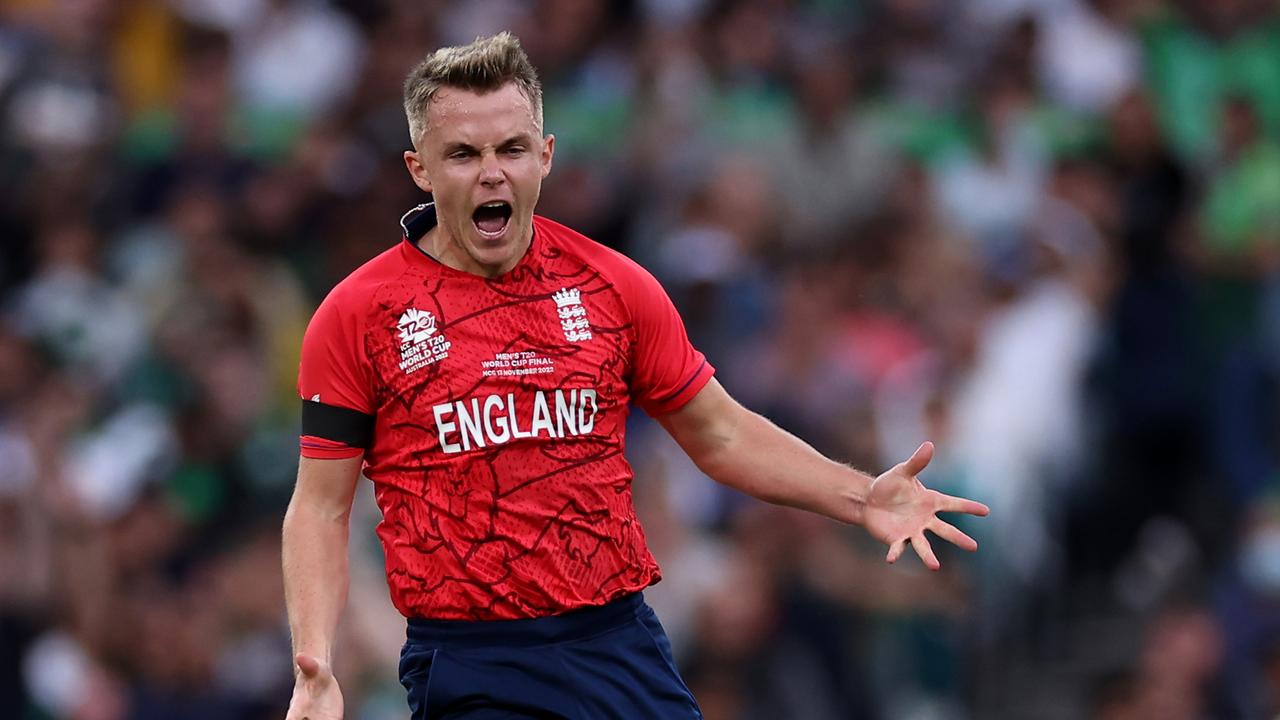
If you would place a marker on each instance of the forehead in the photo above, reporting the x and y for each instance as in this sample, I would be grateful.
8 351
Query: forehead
458 115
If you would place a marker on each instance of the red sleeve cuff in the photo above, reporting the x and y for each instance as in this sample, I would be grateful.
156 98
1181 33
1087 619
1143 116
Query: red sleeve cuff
318 448
675 401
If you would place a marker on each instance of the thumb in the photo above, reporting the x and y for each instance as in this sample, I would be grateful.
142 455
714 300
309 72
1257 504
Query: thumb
309 666
919 459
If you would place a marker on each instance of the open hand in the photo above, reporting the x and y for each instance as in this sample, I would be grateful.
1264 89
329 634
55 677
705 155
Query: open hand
899 508
316 695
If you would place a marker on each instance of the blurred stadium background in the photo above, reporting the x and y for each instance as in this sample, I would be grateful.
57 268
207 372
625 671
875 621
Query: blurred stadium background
1043 233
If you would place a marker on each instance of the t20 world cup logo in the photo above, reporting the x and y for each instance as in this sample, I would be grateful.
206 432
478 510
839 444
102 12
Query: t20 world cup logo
420 342
416 326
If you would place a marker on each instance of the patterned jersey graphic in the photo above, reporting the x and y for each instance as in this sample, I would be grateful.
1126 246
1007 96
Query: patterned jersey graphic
498 410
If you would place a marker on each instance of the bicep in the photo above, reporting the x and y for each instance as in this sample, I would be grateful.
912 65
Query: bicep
707 424
326 486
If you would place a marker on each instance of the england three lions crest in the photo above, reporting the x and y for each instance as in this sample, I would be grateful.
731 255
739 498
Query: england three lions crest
573 316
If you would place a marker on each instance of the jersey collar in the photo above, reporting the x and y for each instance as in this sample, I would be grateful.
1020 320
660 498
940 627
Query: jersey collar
418 221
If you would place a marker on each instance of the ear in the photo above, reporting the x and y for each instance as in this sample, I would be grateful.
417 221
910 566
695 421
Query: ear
417 170
548 150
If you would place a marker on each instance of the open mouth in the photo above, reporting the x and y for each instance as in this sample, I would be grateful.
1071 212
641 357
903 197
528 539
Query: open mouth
491 218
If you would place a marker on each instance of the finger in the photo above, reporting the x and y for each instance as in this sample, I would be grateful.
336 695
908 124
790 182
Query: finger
950 503
925 551
895 551
919 459
309 666
952 534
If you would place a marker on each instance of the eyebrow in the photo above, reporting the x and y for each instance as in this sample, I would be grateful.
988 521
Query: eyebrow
521 138
451 148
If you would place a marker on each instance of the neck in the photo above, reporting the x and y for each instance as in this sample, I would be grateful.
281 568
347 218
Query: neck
446 249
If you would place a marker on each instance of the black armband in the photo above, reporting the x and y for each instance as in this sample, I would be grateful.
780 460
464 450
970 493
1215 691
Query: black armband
339 424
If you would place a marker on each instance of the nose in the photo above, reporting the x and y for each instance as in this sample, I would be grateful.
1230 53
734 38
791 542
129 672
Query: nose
490 170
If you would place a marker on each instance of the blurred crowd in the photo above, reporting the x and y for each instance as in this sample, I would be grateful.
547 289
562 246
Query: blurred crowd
1044 234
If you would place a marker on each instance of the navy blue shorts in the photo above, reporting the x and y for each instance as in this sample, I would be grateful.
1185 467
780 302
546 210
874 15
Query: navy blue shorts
612 661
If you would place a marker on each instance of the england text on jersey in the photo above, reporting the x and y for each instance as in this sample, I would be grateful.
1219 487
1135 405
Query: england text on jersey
495 420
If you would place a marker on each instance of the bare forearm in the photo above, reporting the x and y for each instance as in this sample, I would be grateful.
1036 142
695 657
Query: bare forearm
741 449
314 553
763 460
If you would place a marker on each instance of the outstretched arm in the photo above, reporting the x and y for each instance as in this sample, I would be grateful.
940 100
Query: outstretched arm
743 450
314 550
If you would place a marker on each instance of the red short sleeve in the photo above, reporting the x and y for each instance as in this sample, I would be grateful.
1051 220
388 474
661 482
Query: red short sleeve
333 381
668 371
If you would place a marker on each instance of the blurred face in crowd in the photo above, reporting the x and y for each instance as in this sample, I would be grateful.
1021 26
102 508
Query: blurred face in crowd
483 157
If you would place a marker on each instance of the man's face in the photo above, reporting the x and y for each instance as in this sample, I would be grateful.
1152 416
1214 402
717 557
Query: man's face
483 158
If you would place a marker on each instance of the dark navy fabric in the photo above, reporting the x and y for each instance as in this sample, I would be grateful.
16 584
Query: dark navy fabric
612 661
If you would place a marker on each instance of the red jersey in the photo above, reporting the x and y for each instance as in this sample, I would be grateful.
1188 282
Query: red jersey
492 416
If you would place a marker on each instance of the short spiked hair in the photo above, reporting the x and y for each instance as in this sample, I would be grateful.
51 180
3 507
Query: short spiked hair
485 65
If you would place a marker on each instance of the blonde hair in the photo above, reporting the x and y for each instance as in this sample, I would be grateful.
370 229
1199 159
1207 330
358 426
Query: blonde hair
485 65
